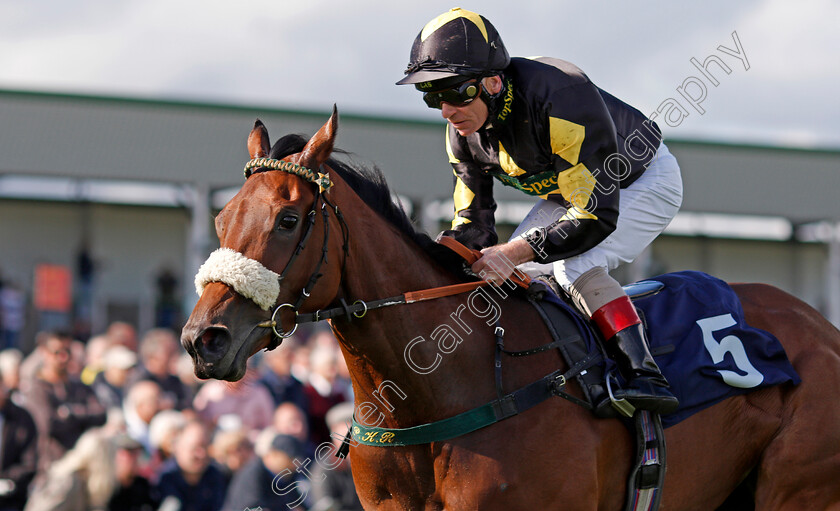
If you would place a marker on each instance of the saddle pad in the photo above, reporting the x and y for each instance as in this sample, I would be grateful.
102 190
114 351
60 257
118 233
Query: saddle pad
716 354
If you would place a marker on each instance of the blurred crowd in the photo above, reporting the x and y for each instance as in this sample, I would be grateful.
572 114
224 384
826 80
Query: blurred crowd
121 423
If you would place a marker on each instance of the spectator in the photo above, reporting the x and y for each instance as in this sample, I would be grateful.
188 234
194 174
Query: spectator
29 367
300 363
95 358
114 422
18 452
277 377
322 337
321 392
10 360
244 398
133 493
158 350
117 364
289 419
163 429
268 480
12 314
168 303
120 332
332 484
82 480
63 407
185 372
190 478
141 404
231 450
77 359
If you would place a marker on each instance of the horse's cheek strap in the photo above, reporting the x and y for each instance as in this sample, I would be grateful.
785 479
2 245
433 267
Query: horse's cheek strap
246 276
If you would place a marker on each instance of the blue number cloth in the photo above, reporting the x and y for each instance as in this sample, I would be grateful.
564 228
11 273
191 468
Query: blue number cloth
716 354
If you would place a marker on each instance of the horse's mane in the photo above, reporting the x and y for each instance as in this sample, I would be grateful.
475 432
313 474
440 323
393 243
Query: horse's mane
370 185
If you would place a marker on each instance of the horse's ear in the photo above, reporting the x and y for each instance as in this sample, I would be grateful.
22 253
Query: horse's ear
320 146
258 144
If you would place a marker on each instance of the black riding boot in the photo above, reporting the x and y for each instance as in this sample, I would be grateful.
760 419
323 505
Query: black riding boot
646 388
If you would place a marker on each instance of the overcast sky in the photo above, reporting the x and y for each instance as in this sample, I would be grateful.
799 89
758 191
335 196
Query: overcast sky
309 54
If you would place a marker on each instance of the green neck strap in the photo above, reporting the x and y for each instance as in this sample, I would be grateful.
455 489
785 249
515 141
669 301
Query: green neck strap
471 420
452 427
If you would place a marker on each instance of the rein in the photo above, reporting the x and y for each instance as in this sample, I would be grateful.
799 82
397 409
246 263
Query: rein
359 308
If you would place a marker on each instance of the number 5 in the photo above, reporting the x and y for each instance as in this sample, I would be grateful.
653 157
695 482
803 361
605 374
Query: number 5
730 344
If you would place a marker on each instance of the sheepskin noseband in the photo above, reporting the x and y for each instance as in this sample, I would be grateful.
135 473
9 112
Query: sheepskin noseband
246 276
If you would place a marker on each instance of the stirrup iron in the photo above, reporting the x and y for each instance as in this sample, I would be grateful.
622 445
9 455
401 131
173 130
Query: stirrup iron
621 405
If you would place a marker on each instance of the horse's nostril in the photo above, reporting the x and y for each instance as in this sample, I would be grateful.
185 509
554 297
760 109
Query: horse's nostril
212 343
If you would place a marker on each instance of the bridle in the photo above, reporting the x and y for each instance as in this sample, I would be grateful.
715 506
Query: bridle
259 165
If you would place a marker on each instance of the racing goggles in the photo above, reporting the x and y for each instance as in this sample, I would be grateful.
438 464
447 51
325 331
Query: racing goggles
460 95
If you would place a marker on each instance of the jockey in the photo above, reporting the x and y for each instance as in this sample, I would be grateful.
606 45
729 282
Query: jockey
606 183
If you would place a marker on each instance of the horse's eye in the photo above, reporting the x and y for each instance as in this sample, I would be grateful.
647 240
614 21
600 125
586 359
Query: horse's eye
287 222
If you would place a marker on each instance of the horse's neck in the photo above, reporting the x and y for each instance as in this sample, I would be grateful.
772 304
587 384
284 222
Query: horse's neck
383 262
381 258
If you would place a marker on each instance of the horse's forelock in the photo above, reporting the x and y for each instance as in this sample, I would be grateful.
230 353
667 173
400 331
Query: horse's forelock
289 144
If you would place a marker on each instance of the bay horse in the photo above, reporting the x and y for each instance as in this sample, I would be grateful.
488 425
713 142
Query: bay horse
357 245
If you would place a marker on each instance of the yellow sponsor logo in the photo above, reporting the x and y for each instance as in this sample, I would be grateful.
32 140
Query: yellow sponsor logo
425 85
541 187
506 108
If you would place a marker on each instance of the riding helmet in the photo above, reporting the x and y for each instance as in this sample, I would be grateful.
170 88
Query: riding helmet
456 45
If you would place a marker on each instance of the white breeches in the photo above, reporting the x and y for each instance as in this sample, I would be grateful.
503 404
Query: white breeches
645 208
